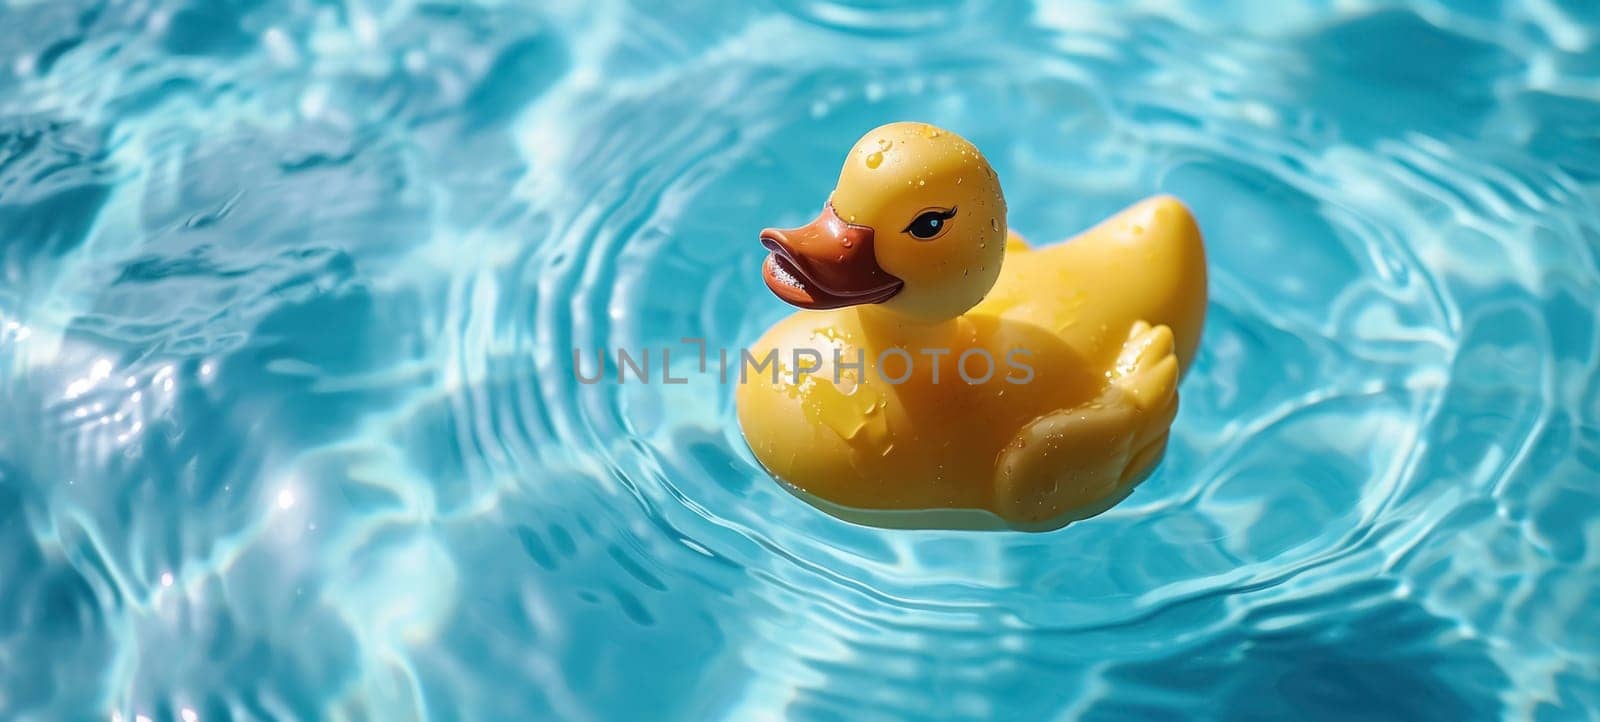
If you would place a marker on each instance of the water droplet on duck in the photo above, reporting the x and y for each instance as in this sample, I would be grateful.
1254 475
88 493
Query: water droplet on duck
994 223
930 131
921 182
847 243
874 159
885 143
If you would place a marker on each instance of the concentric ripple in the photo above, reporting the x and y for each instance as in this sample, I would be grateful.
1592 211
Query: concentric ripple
291 428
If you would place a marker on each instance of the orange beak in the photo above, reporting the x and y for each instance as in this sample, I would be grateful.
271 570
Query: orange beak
825 264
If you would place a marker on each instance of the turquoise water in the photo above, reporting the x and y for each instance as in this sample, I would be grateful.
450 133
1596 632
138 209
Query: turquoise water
289 431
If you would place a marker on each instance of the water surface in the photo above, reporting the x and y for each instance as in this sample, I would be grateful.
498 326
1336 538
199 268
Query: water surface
289 430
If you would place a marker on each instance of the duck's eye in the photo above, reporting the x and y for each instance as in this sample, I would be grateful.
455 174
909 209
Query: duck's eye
929 224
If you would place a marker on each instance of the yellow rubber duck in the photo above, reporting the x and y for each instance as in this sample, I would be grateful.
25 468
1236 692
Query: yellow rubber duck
878 408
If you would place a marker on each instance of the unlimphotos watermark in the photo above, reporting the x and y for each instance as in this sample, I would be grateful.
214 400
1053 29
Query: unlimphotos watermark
973 366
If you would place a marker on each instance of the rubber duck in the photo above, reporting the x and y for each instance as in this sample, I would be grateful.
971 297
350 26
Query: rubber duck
944 374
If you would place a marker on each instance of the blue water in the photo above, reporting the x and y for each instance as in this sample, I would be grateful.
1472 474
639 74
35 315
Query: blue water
289 430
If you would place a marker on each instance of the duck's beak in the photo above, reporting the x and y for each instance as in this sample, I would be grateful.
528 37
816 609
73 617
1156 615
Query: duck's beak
826 263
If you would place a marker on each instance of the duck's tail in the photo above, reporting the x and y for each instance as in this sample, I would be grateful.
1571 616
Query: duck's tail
1158 265
1174 237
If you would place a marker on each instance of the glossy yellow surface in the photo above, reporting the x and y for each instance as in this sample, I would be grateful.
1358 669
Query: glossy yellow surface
1107 322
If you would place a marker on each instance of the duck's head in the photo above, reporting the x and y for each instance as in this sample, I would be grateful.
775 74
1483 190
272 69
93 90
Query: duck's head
917 225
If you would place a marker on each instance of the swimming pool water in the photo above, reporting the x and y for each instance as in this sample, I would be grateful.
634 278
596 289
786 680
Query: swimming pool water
289 429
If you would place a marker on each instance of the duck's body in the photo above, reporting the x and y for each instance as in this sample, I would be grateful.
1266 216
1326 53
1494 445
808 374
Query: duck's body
1053 392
